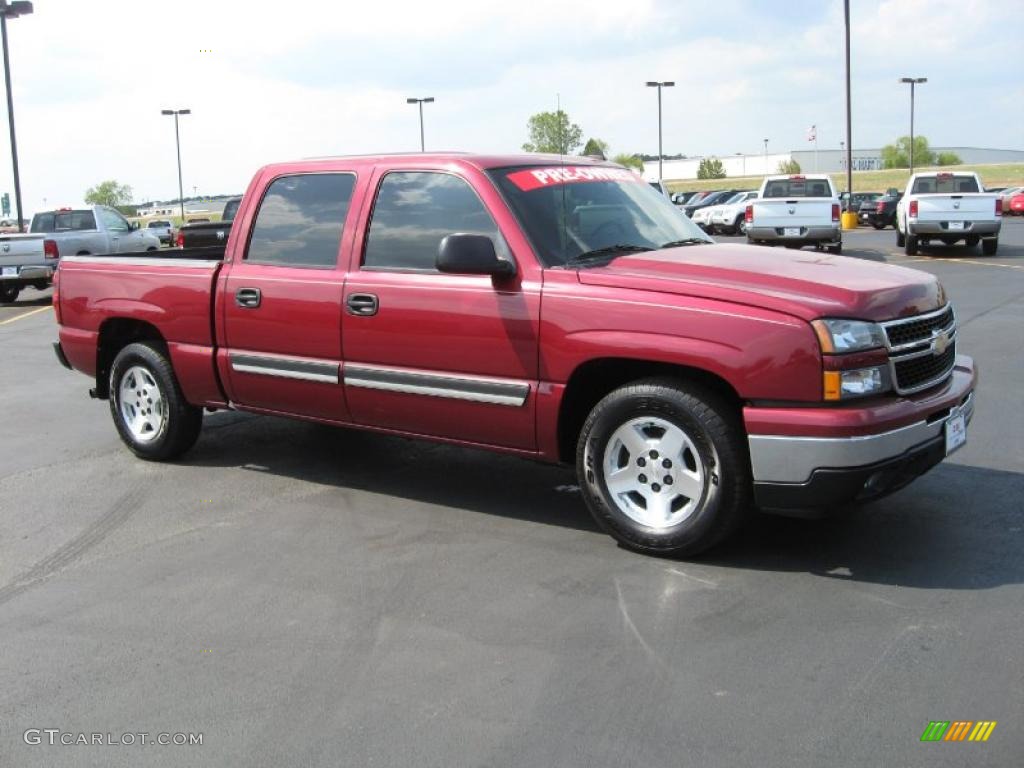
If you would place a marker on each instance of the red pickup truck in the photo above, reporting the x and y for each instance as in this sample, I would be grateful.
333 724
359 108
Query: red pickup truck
557 308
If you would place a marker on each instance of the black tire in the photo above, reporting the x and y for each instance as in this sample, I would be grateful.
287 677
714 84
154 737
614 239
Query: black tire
713 427
901 240
837 248
972 240
9 293
180 423
989 246
910 245
878 224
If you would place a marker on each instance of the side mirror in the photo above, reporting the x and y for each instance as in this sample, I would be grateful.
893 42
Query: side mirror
463 254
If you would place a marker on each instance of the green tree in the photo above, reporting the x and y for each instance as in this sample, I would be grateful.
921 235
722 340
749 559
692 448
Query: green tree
630 161
710 168
552 132
109 193
898 155
788 166
595 147
947 158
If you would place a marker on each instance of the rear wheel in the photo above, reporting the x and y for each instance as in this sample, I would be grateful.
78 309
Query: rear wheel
910 245
900 239
878 224
150 412
972 240
663 467
9 293
837 248
990 246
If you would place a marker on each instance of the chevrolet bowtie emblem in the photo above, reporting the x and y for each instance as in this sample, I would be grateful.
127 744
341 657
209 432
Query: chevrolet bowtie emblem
940 342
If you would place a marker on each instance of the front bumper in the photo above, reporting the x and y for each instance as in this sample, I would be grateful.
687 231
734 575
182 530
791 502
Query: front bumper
822 470
830 234
941 228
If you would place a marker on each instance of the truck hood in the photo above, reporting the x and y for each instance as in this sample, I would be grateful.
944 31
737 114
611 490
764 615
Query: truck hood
804 284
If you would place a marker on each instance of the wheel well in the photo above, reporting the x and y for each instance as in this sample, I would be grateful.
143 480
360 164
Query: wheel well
116 334
589 383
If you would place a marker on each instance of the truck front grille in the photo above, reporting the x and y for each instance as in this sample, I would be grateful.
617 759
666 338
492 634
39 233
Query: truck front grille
922 349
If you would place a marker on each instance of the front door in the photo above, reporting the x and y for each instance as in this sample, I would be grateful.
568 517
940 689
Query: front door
438 354
282 300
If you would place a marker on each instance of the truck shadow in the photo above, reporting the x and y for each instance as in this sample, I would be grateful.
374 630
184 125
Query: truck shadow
958 527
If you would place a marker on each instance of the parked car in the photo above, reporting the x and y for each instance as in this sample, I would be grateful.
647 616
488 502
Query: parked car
948 207
857 199
559 312
163 230
202 233
97 230
796 210
1008 194
680 198
712 198
880 213
1016 205
25 260
730 217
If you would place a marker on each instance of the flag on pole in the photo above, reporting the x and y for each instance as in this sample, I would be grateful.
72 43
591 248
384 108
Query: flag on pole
812 133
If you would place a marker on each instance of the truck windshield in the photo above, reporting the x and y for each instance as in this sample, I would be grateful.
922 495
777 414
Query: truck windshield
797 187
230 210
945 183
572 210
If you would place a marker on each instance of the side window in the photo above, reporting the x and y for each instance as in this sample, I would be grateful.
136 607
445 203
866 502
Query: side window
112 220
300 220
414 211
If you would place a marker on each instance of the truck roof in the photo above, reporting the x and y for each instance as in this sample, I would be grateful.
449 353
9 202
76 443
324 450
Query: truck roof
480 161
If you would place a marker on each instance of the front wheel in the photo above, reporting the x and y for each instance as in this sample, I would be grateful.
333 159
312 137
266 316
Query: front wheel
663 467
150 412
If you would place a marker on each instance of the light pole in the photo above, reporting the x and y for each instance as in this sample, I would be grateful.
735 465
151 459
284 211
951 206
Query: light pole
177 144
765 156
849 105
913 82
659 86
421 102
12 11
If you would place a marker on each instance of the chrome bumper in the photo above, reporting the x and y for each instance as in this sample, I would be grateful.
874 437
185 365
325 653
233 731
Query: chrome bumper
786 459
807 234
941 228
30 273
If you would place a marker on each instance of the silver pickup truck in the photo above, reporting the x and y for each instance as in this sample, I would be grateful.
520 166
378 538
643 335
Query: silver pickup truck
25 260
92 231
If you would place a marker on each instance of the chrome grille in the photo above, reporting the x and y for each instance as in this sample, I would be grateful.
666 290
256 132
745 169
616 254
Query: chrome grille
922 371
922 349
919 328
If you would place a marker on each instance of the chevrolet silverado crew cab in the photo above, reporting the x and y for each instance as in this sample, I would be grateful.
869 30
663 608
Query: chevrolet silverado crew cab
92 231
948 207
796 211
561 312
25 260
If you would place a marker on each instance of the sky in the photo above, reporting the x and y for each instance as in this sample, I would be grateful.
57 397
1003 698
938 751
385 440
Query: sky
272 81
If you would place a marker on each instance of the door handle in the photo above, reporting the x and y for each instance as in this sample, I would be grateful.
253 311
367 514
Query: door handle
362 304
248 298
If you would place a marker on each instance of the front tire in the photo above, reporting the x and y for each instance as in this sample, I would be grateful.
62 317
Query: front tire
151 415
663 467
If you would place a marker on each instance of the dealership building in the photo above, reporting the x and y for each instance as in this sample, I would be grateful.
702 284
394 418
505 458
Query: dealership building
811 161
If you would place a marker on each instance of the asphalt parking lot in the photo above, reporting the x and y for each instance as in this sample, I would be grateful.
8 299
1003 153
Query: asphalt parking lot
301 595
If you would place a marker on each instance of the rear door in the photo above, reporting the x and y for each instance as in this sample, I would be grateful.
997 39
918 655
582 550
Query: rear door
282 299
437 354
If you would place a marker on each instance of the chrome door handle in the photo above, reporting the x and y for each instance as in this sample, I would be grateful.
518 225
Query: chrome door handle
248 298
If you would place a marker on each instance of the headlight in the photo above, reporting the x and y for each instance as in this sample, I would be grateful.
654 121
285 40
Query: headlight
840 336
860 382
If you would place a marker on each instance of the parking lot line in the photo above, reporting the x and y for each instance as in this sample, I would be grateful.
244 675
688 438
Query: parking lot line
940 260
24 315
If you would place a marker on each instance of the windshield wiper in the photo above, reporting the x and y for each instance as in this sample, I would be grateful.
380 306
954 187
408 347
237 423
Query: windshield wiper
599 254
685 241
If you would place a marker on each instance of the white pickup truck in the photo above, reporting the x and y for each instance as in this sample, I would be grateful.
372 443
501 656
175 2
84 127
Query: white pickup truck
25 260
796 210
948 207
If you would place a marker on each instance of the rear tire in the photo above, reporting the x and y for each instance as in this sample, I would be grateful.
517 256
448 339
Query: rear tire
990 246
972 240
878 224
9 293
910 245
151 414
663 467
900 239
837 248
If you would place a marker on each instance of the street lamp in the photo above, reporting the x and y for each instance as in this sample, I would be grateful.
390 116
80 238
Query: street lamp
177 144
659 86
421 102
913 81
13 10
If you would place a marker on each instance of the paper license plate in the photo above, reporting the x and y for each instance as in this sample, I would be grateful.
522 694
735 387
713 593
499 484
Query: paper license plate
956 433
956 225
10 272
791 232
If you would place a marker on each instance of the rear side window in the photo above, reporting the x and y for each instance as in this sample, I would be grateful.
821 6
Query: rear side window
42 223
415 211
790 188
945 184
300 220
